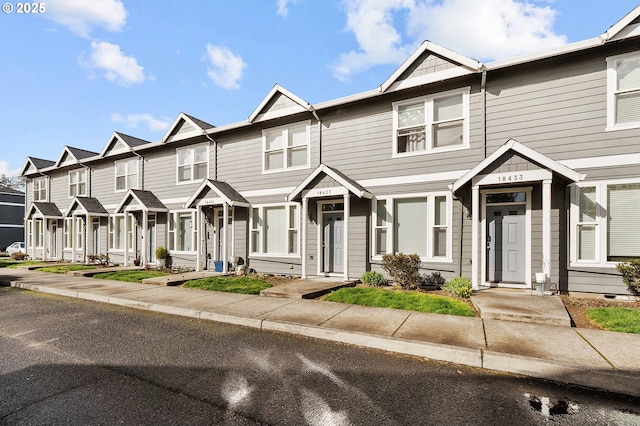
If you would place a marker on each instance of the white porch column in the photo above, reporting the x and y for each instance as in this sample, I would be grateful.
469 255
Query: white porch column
347 212
45 240
126 239
145 248
475 223
225 249
546 228
201 236
303 236
74 237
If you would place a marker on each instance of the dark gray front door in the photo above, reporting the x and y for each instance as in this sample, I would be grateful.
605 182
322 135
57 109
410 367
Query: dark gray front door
332 242
506 249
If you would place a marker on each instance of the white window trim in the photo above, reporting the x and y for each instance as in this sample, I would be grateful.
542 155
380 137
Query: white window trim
612 80
428 100
260 254
68 233
126 174
430 197
86 183
194 232
285 138
192 148
45 188
601 223
125 236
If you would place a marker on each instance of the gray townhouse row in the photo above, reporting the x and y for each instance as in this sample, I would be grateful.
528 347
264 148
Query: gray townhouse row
512 173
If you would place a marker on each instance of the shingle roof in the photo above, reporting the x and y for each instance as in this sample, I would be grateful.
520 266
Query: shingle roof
81 153
7 190
148 199
47 209
39 163
92 205
228 191
132 140
202 124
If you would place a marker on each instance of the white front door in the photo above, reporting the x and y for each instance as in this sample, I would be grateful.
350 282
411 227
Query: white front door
95 236
220 229
332 242
506 244
54 239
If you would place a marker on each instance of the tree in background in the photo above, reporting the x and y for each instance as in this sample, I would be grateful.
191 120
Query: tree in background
13 182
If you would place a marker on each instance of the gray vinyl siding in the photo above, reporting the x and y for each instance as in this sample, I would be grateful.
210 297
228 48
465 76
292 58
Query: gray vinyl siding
557 108
240 161
103 184
359 237
359 142
596 280
59 190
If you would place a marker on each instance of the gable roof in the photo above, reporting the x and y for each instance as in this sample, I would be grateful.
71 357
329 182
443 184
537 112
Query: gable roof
12 191
35 163
146 201
336 175
87 205
279 102
461 65
76 153
513 145
120 138
224 191
186 125
46 210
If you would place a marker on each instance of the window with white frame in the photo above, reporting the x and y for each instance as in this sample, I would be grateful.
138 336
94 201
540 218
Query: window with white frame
417 224
68 233
606 222
274 230
183 231
127 174
286 147
40 189
193 163
435 123
39 233
79 228
30 241
78 183
623 91
117 235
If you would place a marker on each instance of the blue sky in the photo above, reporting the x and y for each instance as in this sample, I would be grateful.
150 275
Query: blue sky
83 69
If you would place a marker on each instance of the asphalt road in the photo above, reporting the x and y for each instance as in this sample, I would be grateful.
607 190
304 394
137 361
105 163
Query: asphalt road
68 361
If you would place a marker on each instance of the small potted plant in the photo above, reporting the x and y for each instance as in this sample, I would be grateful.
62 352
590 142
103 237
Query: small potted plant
161 255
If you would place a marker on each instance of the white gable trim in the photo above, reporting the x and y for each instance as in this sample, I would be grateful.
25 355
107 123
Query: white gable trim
527 152
220 196
470 65
183 117
329 172
304 105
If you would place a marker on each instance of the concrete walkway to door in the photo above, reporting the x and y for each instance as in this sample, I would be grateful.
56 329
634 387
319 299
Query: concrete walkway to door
309 288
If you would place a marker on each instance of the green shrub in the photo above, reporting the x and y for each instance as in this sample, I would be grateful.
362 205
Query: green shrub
161 252
404 269
460 286
373 278
630 274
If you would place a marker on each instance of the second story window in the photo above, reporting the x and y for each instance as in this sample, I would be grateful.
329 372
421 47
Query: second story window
193 163
40 189
127 174
436 123
286 148
77 183
623 92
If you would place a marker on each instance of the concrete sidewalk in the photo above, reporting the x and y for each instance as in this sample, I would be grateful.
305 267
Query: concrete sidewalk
592 358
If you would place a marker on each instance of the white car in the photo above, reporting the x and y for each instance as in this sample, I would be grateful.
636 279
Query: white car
17 247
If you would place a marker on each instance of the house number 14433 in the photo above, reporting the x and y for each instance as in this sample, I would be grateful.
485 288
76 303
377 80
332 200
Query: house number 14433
511 178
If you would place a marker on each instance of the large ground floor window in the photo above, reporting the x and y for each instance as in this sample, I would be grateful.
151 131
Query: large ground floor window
183 231
605 220
413 224
117 232
274 230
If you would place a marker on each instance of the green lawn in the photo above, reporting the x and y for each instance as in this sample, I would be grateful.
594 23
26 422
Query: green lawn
10 263
243 285
63 269
397 299
624 320
130 276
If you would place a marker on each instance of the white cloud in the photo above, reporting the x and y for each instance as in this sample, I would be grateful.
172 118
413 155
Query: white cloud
132 120
4 170
371 21
226 68
283 6
388 30
80 16
116 66
487 29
